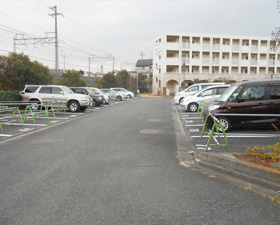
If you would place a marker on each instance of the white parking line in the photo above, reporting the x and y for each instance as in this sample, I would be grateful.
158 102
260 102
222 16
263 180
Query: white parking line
195 125
243 135
193 118
26 124
53 118
6 135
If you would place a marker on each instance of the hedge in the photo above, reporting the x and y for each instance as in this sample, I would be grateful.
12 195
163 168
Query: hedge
9 96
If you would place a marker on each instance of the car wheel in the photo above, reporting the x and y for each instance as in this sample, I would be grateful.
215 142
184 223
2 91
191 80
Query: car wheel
225 122
94 103
74 106
36 104
193 107
181 99
129 96
119 98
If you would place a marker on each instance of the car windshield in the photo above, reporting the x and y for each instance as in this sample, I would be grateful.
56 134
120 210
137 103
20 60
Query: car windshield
228 93
101 92
91 91
67 90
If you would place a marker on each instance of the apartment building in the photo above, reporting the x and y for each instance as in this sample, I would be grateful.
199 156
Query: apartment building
181 58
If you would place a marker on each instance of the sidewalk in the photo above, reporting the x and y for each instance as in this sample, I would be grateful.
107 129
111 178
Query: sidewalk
227 163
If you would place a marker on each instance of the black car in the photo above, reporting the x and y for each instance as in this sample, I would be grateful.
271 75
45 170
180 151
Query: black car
251 103
97 99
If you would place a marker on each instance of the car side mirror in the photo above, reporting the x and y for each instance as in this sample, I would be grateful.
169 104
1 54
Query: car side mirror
239 100
61 92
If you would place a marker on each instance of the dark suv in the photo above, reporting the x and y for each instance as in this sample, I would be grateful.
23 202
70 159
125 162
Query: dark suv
251 103
97 99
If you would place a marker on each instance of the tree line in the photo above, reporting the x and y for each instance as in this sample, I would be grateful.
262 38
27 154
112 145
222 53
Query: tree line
17 70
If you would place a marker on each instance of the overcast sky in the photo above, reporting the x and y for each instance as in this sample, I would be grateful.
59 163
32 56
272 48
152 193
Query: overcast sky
123 28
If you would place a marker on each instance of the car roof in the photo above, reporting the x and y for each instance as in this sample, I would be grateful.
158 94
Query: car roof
213 86
257 82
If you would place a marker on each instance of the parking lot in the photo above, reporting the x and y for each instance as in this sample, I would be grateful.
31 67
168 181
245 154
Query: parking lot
239 139
14 127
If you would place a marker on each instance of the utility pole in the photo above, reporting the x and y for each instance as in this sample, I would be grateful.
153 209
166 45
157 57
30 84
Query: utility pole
55 14
142 54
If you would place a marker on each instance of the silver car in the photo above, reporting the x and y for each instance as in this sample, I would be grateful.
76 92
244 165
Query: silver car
55 94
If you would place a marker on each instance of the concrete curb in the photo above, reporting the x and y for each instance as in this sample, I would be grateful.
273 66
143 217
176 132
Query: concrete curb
227 163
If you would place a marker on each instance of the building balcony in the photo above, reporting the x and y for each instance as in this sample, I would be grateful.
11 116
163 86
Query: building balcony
172 61
254 62
185 45
185 61
264 49
235 61
173 45
216 47
235 47
205 60
215 61
254 48
205 46
271 62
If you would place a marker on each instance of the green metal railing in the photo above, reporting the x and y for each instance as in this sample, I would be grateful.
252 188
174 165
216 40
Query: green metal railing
213 132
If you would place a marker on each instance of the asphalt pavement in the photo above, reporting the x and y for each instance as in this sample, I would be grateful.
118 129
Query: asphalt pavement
118 165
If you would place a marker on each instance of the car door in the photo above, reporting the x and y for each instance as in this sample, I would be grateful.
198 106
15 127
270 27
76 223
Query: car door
58 95
274 99
45 94
252 102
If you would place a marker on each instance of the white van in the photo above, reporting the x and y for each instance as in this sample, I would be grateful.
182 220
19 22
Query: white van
179 96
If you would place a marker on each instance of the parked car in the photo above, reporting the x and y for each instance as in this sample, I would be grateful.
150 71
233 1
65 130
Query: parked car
112 94
97 99
208 94
107 98
120 96
179 96
129 94
251 103
43 94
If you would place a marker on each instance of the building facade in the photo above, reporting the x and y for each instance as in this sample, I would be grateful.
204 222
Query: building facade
181 58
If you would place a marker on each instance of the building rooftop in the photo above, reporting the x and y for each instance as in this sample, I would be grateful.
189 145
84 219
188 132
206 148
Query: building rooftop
144 62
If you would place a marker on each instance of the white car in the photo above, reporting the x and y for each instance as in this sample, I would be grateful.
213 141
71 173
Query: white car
114 94
179 96
129 94
107 98
207 95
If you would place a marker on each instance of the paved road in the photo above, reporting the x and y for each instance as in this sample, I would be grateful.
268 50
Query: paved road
117 166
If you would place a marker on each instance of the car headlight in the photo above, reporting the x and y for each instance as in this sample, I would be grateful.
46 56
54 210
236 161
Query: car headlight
100 98
212 107
84 99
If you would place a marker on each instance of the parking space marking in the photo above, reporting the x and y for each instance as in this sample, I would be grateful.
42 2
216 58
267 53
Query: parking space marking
26 129
53 121
6 135
26 124
193 118
195 125
243 135
194 130
188 121
198 146
54 118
